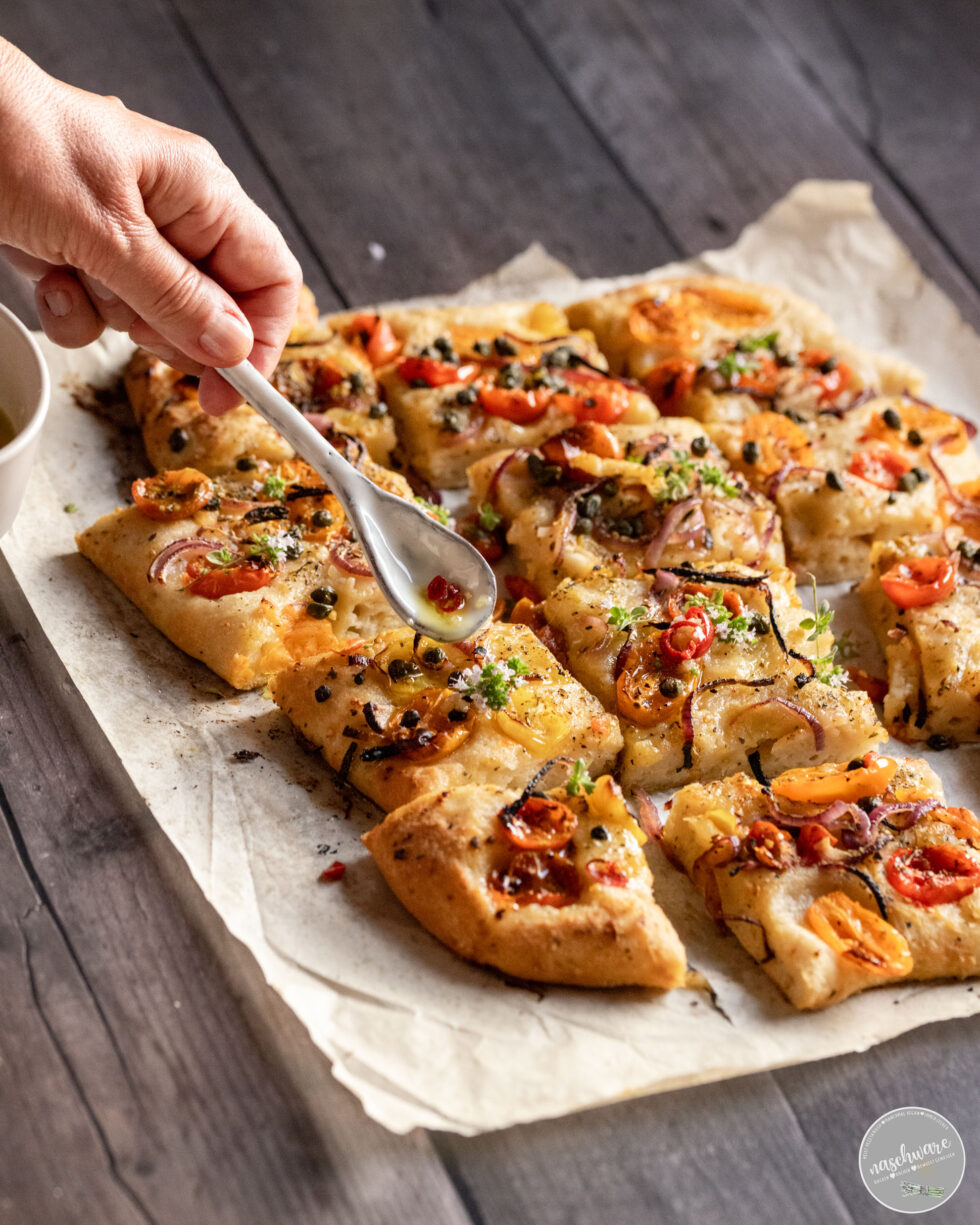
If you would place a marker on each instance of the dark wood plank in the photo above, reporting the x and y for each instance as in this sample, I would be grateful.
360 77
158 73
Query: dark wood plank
431 128
138 51
131 1087
905 79
713 118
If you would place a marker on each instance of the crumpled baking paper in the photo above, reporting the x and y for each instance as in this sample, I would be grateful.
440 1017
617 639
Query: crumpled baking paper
422 1038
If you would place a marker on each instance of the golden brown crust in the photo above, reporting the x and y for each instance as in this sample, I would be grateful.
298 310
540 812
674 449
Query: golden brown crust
437 853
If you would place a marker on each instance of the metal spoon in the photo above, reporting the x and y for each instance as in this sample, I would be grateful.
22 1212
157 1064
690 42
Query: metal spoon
404 547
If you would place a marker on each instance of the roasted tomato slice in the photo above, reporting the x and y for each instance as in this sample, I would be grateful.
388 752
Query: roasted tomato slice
881 466
919 581
825 784
607 872
688 638
669 384
771 846
760 376
931 875
432 372
644 694
859 936
539 824
813 842
246 575
829 383
596 398
379 342
170 496
536 877
961 821
588 436
519 588
435 732
513 404
778 442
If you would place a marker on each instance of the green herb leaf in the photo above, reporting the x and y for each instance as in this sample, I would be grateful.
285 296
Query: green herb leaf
496 680
439 512
621 618
273 486
716 479
489 519
760 342
580 780
220 557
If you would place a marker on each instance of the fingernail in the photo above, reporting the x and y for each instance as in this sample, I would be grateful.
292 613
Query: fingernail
100 290
58 303
225 335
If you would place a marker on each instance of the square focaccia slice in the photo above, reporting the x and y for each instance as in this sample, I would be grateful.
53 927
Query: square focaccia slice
401 717
475 388
548 886
720 349
889 467
709 671
327 379
247 572
837 878
922 597
586 502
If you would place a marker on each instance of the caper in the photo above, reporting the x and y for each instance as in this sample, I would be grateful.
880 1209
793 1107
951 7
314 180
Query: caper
511 375
451 422
700 445
599 833
558 358
583 526
750 452
891 419
418 384
410 718
429 351
482 348
908 482
939 742
321 518
759 624
356 380
246 464
322 692
834 481
324 595
590 505
921 474
505 347
855 764
178 439
827 366
444 345
377 411
399 669
609 488
318 611
671 687
434 656
915 438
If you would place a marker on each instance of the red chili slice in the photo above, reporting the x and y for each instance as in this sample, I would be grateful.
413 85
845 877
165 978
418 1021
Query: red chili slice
539 824
689 638
334 872
931 875
446 596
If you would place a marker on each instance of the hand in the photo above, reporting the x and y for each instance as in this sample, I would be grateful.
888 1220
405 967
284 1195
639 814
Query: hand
126 222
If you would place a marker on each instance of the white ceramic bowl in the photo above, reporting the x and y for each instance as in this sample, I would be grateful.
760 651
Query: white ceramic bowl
24 393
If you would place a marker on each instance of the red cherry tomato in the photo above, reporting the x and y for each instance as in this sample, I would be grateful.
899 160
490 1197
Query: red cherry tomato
931 875
379 342
170 496
688 638
432 372
881 467
539 824
919 581
522 589
813 842
669 384
247 575
540 877
520 407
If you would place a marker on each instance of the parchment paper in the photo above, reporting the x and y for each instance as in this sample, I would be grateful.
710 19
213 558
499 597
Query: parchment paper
419 1036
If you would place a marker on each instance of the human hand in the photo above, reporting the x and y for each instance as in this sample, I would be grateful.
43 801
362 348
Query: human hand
127 222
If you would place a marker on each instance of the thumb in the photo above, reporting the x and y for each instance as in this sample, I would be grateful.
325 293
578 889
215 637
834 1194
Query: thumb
178 301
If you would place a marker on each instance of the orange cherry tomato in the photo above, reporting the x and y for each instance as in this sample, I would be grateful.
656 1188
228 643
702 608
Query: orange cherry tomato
669 384
536 877
770 845
931 875
539 824
688 638
513 404
170 496
435 734
432 372
761 375
919 581
961 821
779 441
606 872
379 342
859 936
639 696
588 436
881 466
830 383
825 784
874 686
813 842
246 575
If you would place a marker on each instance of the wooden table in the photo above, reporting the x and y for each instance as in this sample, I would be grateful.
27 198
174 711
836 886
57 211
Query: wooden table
145 1079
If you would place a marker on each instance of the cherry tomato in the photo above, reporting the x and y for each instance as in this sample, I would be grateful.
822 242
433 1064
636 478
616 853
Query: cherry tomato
761 375
432 372
539 824
770 845
434 735
961 821
536 877
919 581
640 686
859 936
874 686
779 442
689 638
825 784
813 842
669 384
522 589
882 467
513 404
605 872
246 575
170 496
931 875
595 397
378 340
588 436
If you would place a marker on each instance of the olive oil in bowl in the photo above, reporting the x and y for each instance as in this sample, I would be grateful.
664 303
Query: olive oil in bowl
7 430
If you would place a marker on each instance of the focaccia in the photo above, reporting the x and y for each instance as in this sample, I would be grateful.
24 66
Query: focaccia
709 670
401 717
587 502
837 879
552 887
922 597
719 349
247 572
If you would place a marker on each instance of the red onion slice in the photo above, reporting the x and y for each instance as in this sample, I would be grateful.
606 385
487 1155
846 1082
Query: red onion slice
513 457
687 710
188 547
649 818
347 556
671 522
911 810
816 727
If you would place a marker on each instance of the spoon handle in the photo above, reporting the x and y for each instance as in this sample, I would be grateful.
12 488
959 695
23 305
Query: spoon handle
297 431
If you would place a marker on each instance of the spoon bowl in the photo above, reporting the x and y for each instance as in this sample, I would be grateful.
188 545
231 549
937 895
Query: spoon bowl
404 547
